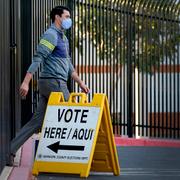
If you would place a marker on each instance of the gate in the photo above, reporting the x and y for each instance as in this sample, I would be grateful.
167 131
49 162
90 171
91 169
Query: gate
130 51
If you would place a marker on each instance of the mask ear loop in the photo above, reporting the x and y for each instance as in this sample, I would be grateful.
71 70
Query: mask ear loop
59 18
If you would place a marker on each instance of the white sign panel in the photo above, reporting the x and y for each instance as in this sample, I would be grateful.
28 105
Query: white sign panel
67 134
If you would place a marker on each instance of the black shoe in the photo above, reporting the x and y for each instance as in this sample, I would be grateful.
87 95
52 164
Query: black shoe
11 160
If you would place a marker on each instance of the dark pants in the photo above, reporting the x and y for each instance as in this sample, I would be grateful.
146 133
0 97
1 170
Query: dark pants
46 86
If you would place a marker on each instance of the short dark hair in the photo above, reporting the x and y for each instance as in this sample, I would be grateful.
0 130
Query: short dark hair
58 10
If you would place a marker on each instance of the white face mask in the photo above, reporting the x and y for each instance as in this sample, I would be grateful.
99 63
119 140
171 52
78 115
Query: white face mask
66 23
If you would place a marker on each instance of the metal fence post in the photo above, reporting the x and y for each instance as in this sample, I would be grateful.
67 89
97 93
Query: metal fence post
70 5
5 101
130 56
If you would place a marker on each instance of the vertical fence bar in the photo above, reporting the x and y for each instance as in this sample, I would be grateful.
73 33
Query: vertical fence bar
170 81
78 34
140 75
121 119
124 94
162 86
129 70
96 40
115 67
137 50
173 80
166 62
98 45
158 89
160 73
154 72
175 88
174 70
178 78
87 61
106 15
150 112
83 54
94 43
104 48
119 70
112 66
5 101
90 40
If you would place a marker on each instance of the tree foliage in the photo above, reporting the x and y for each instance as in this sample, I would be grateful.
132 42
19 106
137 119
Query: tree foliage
146 33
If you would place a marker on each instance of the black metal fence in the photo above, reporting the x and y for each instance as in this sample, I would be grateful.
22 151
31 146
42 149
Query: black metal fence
130 51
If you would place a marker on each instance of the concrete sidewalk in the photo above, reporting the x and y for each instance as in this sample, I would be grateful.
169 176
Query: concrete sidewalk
139 159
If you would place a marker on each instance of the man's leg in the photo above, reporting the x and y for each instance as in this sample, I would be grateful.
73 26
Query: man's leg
31 127
64 89
46 86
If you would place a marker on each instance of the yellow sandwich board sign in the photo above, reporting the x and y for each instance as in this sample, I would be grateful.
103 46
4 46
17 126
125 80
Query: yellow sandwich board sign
76 137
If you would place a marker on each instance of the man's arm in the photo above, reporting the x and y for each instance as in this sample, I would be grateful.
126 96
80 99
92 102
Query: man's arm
45 47
76 78
25 85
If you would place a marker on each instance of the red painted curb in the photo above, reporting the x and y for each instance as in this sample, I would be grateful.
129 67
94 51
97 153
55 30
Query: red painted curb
27 153
20 173
121 141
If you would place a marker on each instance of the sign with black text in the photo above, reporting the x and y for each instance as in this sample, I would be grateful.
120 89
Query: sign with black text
68 134
76 137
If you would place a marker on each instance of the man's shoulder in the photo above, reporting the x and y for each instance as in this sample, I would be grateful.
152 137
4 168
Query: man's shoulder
50 35
50 31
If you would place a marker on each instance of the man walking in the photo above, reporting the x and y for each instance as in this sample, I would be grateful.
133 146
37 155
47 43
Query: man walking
53 54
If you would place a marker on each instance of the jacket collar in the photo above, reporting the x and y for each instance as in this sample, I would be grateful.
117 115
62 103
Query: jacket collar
57 29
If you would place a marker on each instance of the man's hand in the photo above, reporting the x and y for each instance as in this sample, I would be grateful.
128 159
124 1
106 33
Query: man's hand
24 89
84 88
81 83
25 85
